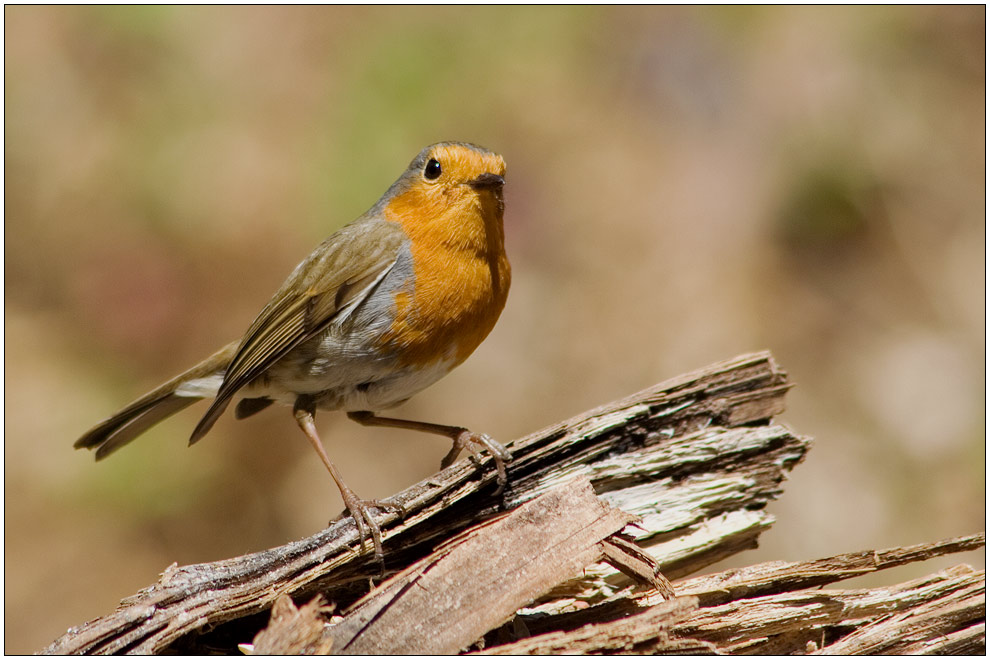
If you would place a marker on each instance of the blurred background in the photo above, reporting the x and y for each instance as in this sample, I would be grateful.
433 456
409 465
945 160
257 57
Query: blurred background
685 184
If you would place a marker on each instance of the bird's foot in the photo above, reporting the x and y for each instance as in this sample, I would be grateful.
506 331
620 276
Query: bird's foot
475 443
361 511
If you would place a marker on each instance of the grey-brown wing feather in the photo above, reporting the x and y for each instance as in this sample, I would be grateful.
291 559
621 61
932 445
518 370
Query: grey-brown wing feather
335 278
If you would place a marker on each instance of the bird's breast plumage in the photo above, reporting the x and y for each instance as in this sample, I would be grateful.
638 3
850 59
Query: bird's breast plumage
461 279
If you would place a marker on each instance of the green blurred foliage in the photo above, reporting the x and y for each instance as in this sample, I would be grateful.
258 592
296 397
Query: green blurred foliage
684 184
829 207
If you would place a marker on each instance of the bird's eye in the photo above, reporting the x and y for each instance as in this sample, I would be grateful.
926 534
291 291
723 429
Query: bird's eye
432 170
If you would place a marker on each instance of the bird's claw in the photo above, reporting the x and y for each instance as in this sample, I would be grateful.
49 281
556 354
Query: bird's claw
360 511
475 443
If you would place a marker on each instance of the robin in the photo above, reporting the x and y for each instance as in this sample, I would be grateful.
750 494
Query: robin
380 310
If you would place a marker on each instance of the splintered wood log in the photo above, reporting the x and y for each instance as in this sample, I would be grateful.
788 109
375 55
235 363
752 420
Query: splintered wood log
887 620
697 458
571 556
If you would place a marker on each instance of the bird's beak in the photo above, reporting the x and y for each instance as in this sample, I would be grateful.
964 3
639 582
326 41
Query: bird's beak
487 180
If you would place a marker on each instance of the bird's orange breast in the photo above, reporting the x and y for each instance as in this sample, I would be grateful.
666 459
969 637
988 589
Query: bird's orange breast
461 275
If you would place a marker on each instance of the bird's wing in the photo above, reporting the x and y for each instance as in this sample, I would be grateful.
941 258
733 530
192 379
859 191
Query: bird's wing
334 279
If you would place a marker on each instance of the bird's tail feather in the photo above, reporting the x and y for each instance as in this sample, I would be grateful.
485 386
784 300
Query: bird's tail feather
123 426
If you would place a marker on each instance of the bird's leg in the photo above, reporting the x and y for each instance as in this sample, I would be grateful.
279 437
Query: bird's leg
461 437
360 509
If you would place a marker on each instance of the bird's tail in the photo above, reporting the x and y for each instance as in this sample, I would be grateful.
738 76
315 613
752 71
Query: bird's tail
200 382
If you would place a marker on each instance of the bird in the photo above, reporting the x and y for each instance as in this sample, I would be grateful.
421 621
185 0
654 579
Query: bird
383 308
